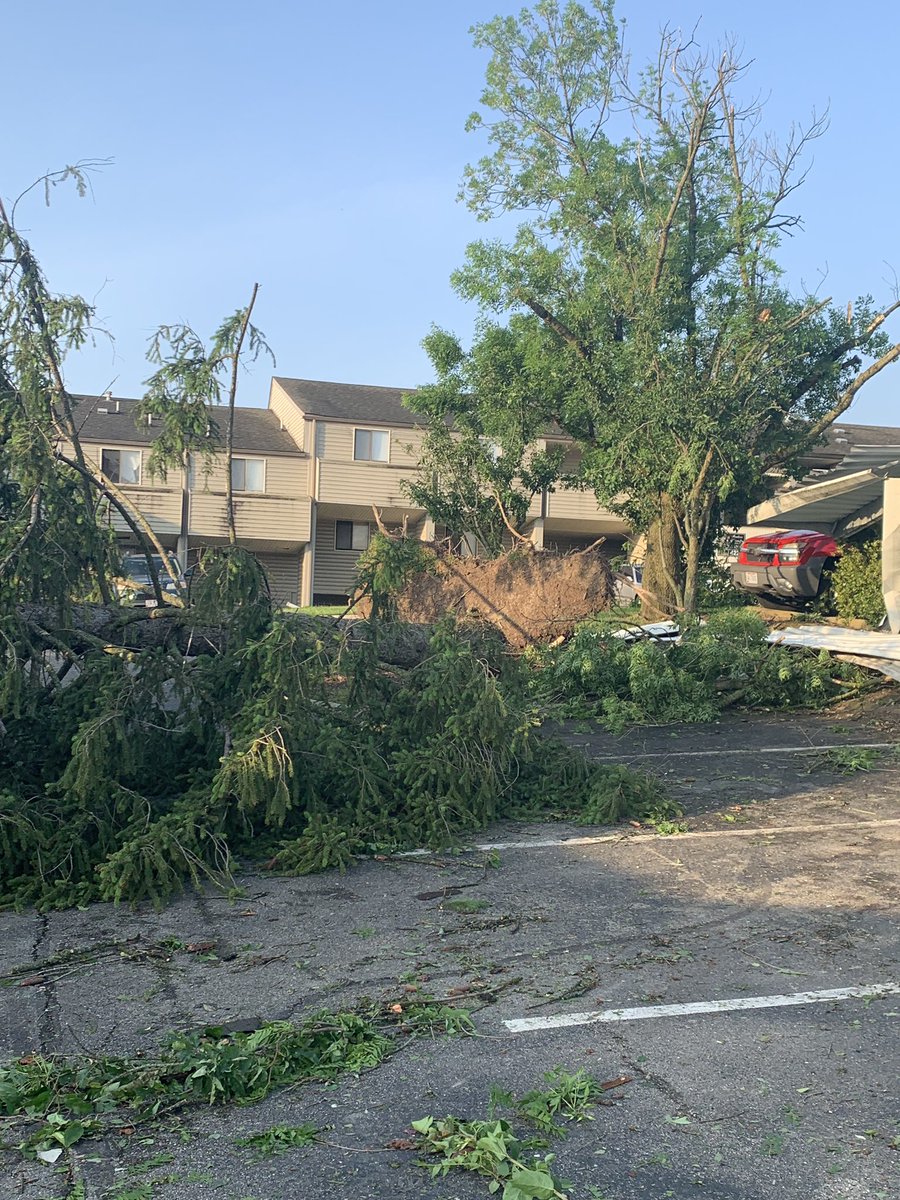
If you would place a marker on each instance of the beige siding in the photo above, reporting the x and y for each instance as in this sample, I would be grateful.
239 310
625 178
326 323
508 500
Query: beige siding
160 508
283 573
343 480
288 413
158 502
363 483
334 442
256 518
335 570
281 513
571 505
285 477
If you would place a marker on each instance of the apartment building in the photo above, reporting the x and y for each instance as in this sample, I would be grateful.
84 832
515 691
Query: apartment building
306 472
186 510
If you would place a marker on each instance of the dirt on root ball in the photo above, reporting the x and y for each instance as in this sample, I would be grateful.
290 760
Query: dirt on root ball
529 595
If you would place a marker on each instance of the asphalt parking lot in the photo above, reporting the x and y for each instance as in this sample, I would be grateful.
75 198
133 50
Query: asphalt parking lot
784 886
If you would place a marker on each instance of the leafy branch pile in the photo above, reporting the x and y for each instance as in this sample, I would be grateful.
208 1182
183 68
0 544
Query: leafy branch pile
492 1149
125 774
53 1102
723 662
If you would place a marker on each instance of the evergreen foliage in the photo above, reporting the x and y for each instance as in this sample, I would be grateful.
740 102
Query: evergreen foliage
725 661
290 743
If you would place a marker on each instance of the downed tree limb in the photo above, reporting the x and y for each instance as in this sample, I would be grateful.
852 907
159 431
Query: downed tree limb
92 627
86 627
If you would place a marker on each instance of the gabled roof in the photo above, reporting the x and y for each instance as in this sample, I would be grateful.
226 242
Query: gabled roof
865 435
256 429
358 402
842 437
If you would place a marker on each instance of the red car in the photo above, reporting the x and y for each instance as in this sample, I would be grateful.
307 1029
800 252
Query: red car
789 566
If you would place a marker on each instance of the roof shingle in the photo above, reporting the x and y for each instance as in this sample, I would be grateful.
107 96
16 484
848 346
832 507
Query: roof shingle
256 429
350 401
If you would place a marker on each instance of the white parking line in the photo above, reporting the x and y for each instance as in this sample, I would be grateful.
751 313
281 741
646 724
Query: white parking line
532 1024
729 831
804 749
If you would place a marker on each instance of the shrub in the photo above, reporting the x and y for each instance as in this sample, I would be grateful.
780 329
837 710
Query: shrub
856 583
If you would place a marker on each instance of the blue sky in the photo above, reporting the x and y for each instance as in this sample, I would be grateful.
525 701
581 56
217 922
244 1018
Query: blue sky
318 150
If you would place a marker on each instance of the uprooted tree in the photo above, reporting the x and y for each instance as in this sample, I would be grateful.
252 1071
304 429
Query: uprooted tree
141 748
640 310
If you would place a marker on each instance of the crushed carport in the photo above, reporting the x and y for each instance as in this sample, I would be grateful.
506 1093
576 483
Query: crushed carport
862 490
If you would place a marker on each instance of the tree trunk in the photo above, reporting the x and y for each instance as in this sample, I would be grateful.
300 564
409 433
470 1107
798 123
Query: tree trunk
662 581
692 570
229 430
92 627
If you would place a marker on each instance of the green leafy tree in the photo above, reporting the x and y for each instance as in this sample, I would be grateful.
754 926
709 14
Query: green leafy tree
480 474
189 382
640 310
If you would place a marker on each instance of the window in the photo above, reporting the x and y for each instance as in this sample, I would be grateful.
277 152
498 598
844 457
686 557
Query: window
248 474
371 445
121 466
351 535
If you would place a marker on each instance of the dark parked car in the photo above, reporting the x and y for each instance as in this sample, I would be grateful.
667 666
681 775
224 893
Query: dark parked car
792 567
134 585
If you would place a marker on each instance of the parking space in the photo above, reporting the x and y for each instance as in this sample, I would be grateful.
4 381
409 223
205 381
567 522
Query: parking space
766 895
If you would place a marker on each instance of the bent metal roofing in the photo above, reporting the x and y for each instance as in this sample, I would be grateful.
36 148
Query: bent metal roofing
256 429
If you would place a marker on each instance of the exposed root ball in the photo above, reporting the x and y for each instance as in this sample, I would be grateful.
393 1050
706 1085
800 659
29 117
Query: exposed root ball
529 596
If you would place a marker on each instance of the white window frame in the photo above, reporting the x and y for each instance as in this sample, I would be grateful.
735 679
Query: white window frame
492 449
120 450
245 458
371 429
351 549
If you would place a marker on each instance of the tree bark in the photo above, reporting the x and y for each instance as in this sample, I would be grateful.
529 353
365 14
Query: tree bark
93 627
229 432
662 583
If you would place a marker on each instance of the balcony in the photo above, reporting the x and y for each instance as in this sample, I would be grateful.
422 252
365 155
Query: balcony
257 518
160 506
363 483
569 504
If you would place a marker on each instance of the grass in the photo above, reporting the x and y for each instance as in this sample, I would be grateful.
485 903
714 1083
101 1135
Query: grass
322 610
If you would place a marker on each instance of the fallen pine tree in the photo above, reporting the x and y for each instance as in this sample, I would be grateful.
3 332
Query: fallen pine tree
81 628
283 741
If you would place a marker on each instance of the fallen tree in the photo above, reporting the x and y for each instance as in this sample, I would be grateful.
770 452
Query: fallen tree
87 627
286 739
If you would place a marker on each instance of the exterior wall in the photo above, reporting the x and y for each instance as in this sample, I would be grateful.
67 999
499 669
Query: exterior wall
159 501
571 505
288 414
283 573
343 480
280 513
335 570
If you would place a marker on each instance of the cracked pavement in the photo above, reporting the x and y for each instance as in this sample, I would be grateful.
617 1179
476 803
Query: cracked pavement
795 1103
